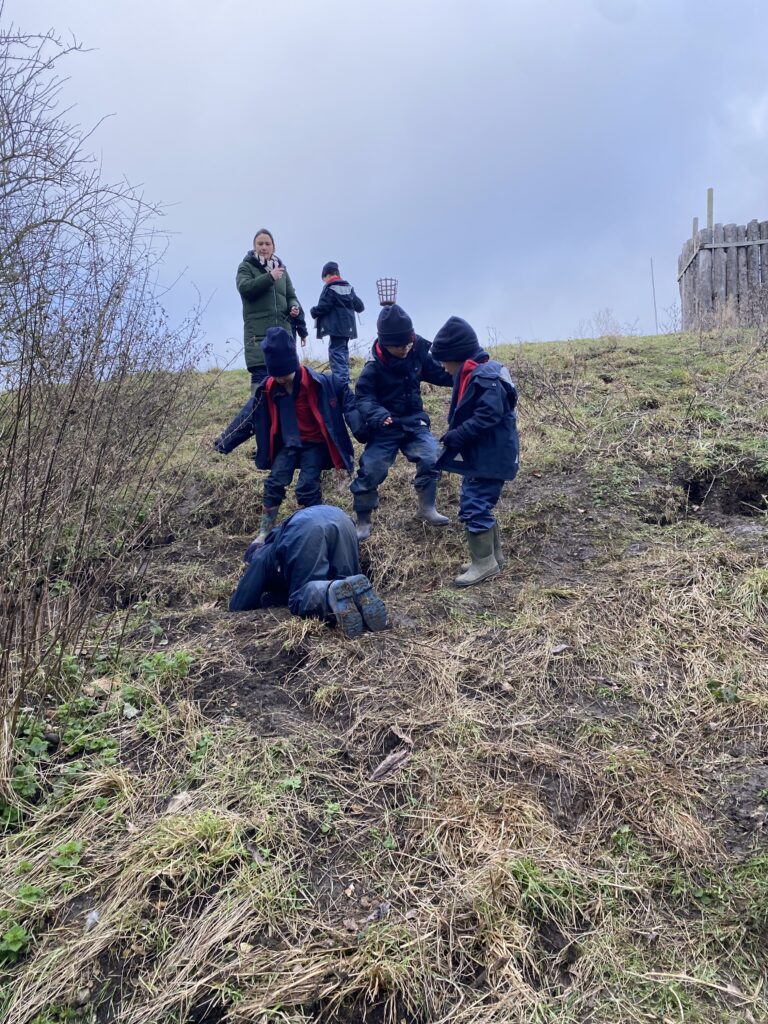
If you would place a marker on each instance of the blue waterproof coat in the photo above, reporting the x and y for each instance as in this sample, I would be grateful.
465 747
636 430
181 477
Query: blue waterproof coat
334 404
335 310
388 386
297 562
482 438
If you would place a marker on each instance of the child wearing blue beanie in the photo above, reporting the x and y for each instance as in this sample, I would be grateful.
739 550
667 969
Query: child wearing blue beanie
299 418
481 443
388 395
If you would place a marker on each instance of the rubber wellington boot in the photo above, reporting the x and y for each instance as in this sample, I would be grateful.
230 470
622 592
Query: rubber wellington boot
498 554
371 606
343 608
268 520
363 525
484 564
427 510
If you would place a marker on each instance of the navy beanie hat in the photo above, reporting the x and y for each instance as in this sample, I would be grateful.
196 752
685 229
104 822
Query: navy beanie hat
455 342
329 268
394 326
279 350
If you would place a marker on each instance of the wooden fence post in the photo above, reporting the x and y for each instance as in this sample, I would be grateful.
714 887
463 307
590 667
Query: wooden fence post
753 256
741 236
704 277
718 270
686 287
753 272
731 272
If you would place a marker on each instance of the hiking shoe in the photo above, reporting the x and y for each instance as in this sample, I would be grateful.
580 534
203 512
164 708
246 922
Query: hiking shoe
371 606
343 609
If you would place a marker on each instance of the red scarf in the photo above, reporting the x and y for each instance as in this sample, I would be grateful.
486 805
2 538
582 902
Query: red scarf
464 375
311 392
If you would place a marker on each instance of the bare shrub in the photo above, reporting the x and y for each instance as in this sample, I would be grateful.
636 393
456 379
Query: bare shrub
94 381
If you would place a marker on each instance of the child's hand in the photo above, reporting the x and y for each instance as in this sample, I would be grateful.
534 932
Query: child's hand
387 422
451 441
304 341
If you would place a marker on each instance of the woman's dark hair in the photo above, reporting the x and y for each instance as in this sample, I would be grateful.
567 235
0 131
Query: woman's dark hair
263 231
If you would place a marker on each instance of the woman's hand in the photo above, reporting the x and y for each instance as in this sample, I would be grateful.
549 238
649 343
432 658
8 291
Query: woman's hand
294 310
277 273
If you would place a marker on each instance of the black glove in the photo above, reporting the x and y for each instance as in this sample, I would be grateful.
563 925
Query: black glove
451 440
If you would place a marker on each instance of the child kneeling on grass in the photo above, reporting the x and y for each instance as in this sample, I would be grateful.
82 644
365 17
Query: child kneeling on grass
310 562
298 418
481 442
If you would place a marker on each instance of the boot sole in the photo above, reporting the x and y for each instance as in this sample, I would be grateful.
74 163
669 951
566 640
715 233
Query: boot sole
372 608
471 583
342 605
430 522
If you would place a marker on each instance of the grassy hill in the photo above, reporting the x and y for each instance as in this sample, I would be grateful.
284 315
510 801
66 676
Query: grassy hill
574 829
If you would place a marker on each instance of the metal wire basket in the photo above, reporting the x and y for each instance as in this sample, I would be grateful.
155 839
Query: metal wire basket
387 289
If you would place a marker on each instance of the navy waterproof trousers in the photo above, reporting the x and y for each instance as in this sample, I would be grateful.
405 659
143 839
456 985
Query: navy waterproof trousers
477 501
419 446
299 560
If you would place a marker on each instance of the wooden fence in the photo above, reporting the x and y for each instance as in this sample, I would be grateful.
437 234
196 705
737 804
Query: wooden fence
723 274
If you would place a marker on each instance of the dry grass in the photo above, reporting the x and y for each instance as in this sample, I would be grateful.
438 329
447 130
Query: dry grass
576 829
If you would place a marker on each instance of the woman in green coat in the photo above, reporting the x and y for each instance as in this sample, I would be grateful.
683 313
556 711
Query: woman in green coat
269 300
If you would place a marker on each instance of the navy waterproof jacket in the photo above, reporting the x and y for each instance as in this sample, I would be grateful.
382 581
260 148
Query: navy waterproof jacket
331 398
316 543
484 426
335 310
388 386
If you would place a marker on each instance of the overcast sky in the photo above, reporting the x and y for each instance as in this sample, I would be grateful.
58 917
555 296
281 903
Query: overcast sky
514 162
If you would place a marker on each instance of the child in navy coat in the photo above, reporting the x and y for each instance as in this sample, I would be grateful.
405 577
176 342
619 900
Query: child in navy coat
310 562
335 316
388 395
298 418
481 442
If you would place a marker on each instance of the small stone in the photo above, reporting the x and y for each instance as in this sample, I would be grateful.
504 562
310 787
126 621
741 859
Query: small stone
83 996
178 803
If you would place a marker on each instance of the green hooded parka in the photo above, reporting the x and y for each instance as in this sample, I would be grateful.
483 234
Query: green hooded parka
265 304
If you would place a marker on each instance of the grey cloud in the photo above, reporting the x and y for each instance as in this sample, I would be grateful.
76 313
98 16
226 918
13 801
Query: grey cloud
514 163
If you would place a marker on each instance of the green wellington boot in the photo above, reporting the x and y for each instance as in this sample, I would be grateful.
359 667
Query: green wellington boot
268 520
427 510
498 554
483 564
